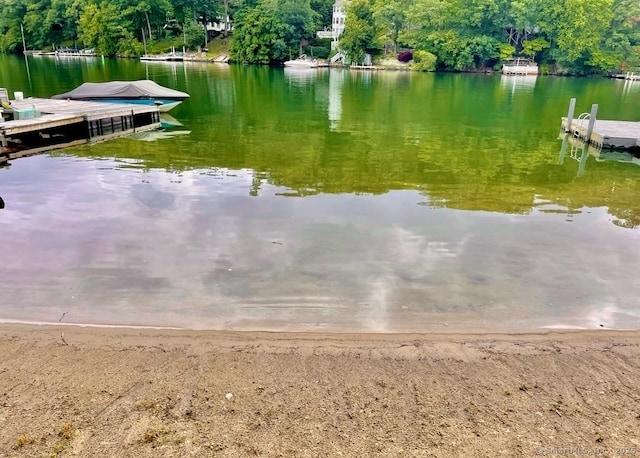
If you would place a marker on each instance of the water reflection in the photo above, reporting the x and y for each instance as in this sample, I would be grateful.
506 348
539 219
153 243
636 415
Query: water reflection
519 83
580 151
336 82
26 63
302 76
422 203
631 86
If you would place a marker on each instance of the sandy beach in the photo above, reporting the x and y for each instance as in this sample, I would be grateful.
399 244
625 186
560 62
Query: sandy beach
74 391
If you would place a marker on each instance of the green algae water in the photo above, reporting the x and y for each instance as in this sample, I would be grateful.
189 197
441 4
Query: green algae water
326 200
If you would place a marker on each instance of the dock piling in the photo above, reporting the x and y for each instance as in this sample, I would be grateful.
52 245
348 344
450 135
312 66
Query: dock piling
592 121
572 108
563 149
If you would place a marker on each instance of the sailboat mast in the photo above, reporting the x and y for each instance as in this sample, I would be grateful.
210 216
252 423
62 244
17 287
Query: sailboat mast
24 43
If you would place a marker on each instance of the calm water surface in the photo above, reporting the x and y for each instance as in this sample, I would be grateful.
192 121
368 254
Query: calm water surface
326 200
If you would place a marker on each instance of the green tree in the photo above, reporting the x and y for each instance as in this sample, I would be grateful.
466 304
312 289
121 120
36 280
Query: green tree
464 35
359 30
300 19
195 14
11 14
424 61
147 14
324 12
532 47
260 35
581 28
390 16
38 29
101 26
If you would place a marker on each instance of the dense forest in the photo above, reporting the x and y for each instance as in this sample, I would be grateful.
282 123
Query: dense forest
564 36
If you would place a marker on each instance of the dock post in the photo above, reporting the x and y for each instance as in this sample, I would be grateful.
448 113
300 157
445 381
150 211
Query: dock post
563 149
592 121
583 159
572 108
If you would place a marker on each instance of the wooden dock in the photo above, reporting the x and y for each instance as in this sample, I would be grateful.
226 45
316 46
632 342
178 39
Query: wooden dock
631 76
604 134
607 134
54 124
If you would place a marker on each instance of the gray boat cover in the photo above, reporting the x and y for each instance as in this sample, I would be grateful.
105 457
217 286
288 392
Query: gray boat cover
122 90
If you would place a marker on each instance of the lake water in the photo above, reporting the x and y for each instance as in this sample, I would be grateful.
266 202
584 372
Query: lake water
326 200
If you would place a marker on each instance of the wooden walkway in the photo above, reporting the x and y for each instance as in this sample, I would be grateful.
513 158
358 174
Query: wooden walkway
64 123
91 110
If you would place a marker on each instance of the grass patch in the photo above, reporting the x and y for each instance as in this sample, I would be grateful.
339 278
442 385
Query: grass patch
153 434
23 440
66 431
219 46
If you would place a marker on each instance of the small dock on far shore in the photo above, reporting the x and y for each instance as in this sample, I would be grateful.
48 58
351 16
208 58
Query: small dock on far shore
604 134
630 76
36 125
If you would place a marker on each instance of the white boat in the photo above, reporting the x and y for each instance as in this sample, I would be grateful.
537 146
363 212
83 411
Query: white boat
519 66
173 56
67 52
302 62
163 58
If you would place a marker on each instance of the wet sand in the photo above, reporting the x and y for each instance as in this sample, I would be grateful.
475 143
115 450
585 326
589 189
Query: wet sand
73 391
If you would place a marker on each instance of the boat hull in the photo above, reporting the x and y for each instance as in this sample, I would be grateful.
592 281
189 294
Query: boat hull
162 59
302 62
164 105
520 70
519 66
301 65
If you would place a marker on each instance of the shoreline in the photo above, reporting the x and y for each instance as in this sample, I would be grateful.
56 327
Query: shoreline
276 326
87 391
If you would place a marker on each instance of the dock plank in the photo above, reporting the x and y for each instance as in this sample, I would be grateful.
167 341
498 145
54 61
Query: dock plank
91 110
46 121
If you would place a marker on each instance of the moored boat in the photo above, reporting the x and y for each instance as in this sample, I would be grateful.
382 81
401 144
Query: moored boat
162 58
173 56
519 66
302 62
69 52
141 92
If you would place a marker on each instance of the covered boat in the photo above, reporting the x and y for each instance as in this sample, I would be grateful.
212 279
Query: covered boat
143 92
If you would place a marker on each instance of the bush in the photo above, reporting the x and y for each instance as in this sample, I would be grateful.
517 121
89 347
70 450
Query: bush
424 61
320 52
405 56
130 47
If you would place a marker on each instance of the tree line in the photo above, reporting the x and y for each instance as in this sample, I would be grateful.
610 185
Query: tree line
563 36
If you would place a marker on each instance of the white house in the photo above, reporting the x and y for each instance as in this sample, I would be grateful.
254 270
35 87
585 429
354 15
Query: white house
337 23
221 24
